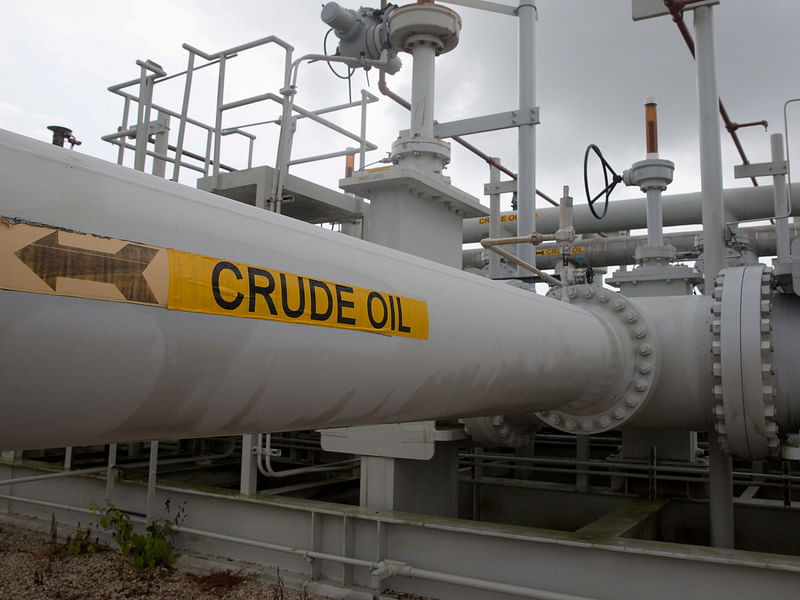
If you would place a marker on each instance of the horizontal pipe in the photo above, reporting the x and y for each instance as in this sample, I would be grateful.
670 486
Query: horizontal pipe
623 215
621 250
115 371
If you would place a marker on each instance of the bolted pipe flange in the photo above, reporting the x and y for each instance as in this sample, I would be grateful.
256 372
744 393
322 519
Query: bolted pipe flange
639 356
745 414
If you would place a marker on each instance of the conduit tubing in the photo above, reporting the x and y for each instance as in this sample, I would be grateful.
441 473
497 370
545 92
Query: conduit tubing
118 371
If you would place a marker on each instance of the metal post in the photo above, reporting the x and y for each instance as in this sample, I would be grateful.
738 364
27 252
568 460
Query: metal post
721 475
526 182
362 155
284 149
161 145
218 122
582 454
110 472
143 120
494 218
248 481
783 239
184 115
152 474
125 112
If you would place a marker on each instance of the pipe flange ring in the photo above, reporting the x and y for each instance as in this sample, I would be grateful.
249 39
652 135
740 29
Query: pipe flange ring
745 414
638 353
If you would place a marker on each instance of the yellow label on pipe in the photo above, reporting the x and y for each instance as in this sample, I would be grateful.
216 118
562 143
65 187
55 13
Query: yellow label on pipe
220 287
48 260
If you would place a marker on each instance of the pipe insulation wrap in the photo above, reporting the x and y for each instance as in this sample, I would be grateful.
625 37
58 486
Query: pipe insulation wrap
80 371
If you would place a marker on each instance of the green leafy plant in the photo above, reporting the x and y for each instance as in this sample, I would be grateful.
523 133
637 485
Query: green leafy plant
80 543
147 550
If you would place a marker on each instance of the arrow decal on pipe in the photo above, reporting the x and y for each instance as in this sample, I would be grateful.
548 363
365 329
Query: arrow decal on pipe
124 269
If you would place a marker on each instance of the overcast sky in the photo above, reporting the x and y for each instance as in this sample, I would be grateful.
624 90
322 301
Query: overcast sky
595 66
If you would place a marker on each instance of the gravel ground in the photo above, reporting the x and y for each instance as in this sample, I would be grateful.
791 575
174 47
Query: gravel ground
31 568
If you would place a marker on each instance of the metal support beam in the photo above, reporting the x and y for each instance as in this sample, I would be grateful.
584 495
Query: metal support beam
526 181
721 489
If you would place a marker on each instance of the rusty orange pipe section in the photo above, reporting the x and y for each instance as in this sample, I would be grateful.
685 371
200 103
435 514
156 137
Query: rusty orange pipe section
651 126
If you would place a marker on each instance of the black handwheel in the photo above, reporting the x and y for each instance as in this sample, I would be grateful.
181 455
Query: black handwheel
615 179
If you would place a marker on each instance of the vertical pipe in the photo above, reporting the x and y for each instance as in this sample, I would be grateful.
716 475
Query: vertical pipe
721 475
187 89
782 238
494 219
655 223
710 148
526 182
422 91
362 155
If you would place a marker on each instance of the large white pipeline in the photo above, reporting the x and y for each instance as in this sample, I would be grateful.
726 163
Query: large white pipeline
78 371
82 370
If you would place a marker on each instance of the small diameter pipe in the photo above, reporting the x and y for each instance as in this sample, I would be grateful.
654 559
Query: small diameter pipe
267 471
404 570
494 246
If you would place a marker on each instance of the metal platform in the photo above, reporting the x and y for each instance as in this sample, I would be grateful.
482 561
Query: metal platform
302 199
